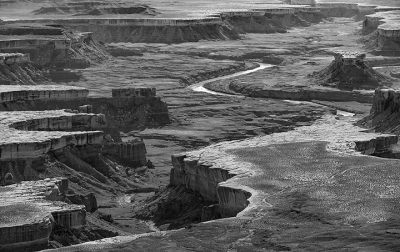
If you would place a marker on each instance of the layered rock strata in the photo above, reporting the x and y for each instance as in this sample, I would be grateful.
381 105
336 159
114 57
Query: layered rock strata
150 30
385 29
351 71
30 209
29 135
95 8
50 46
283 192
16 68
384 116
131 153
128 109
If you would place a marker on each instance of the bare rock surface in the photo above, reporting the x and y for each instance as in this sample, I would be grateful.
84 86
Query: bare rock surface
288 196
31 208
350 71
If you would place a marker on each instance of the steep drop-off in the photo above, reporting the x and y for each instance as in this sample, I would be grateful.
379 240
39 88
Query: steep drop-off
350 71
385 112
153 32
50 46
16 68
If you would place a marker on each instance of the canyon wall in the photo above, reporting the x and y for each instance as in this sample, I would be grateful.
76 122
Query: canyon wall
51 46
31 209
383 32
205 179
23 158
385 112
349 70
16 68
149 30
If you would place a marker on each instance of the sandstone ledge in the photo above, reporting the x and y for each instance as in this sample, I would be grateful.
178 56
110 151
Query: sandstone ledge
31 208
48 130
295 200
45 92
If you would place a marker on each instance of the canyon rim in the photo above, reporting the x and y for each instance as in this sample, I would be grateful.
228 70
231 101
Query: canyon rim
188 125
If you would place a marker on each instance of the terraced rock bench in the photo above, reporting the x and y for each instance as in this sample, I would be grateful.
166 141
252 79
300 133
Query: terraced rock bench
126 108
142 29
384 116
349 70
29 134
30 209
286 190
13 58
387 28
9 93
48 45
339 9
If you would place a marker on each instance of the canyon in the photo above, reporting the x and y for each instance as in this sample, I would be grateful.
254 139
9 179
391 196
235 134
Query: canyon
199 126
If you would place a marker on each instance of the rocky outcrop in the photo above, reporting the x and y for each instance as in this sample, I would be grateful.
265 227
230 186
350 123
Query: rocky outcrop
301 2
51 46
384 116
205 179
271 20
30 135
384 32
16 68
128 109
350 71
377 146
131 153
339 9
29 211
95 8
150 30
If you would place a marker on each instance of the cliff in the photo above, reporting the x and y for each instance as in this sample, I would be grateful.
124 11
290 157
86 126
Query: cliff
384 32
384 116
49 46
16 68
128 109
29 211
148 30
95 8
350 71
28 136
207 180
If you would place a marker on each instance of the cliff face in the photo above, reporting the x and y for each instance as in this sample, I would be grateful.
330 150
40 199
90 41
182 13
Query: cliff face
206 180
29 211
16 68
384 33
95 8
122 113
160 34
350 71
51 46
385 112
72 136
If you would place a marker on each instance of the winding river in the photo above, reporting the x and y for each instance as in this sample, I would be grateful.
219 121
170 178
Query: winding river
199 87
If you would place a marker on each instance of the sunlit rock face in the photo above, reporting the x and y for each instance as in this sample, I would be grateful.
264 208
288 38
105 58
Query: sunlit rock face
384 116
29 211
271 20
205 180
49 46
95 8
384 31
301 2
350 71
126 110
17 68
